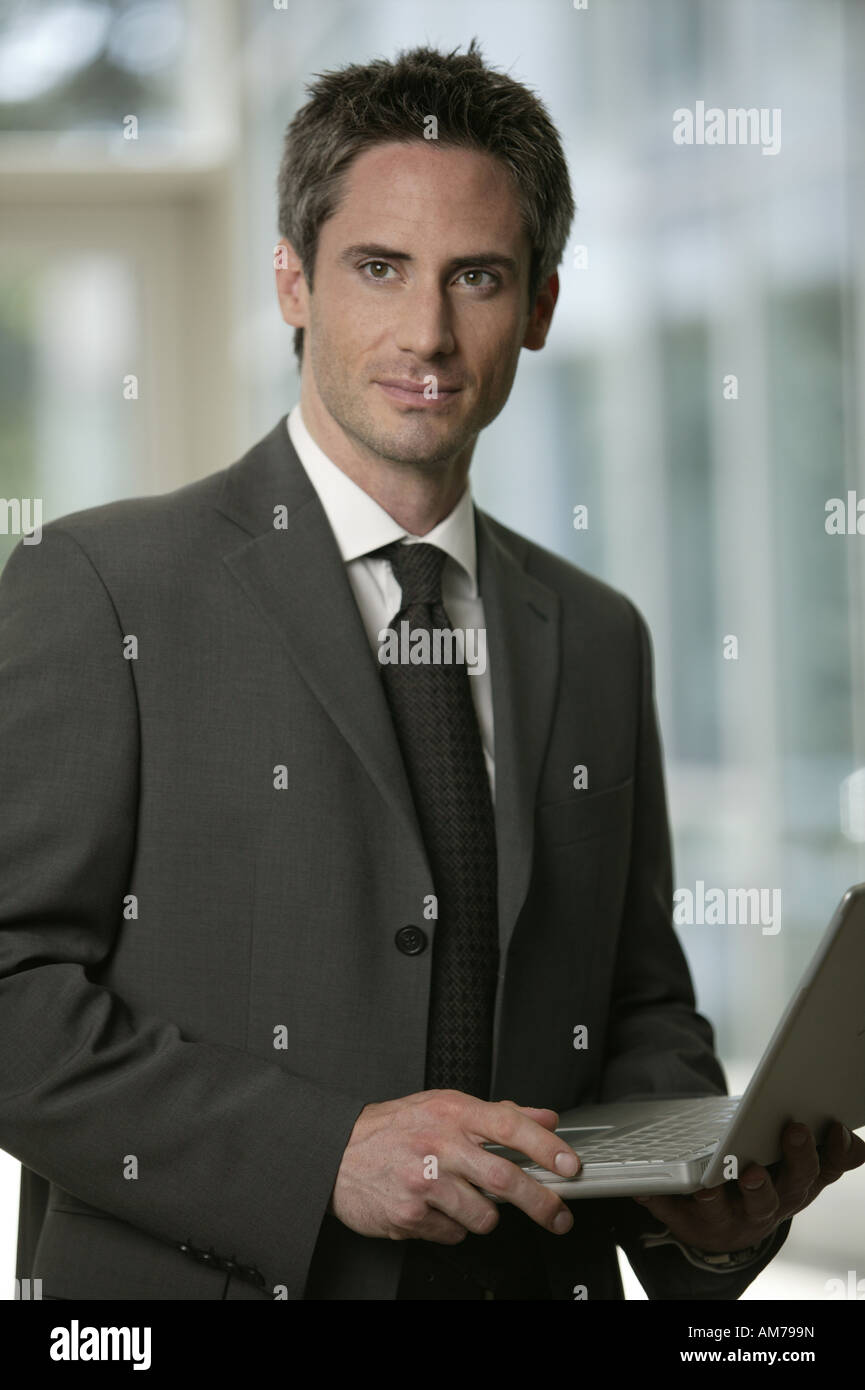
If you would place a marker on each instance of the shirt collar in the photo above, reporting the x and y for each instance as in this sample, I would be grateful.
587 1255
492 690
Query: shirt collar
360 525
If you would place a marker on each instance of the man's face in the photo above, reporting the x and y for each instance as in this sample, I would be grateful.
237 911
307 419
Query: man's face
422 272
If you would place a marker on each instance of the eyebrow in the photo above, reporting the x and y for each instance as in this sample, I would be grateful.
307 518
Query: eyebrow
386 253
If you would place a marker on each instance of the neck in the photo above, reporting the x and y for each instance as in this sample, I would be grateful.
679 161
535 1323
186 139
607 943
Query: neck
418 496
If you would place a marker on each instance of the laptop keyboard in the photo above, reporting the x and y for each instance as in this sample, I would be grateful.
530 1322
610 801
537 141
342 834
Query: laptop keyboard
666 1140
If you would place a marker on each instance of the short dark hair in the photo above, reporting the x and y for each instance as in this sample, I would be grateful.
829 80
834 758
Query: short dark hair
474 106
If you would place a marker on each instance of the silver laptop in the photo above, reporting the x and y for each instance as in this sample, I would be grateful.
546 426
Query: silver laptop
813 1071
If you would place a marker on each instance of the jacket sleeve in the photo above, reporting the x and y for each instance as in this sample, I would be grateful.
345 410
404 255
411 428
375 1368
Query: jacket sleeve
657 1043
234 1152
666 1272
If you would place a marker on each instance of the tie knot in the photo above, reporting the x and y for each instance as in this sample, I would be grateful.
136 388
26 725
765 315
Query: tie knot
418 571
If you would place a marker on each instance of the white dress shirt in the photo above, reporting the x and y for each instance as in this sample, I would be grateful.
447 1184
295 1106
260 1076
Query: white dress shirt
361 525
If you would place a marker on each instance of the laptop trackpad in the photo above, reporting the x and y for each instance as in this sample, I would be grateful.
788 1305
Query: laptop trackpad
575 1135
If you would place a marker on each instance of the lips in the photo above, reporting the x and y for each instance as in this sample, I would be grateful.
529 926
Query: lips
407 392
418 387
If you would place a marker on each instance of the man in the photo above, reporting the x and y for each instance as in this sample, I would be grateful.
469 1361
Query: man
292 925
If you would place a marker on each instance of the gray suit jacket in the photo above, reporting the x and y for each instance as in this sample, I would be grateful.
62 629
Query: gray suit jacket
200 986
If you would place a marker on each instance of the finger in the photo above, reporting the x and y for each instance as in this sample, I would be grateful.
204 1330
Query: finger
856 1153
841 1152
799 1171
713 1207
548 1118
508 1183
702 1218
761 1202
440 1228
464 1204
664 1209
503 1123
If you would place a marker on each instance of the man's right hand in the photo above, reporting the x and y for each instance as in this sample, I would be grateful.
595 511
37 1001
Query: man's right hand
381 1188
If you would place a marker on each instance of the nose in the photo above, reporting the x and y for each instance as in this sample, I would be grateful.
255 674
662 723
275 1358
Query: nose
424 327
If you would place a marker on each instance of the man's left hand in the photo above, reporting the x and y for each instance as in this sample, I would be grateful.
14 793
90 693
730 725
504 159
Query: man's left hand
739 1214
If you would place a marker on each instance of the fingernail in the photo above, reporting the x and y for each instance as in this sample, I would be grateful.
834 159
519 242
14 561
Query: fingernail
753 1185
798 1137
567 1163
563 1222
846 1137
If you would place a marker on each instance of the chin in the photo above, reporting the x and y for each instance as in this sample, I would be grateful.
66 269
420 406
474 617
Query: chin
413 447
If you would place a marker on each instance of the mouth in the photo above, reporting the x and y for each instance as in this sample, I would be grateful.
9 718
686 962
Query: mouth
414 393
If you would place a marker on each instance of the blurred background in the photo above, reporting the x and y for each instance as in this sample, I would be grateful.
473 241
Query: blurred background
141 347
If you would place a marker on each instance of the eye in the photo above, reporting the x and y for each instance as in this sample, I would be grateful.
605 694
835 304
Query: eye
476 284
374 267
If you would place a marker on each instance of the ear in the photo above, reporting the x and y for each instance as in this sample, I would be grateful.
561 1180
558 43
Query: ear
291 286
542 312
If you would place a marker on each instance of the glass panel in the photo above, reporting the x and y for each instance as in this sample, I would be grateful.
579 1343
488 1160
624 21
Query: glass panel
694 725
85 66
68 332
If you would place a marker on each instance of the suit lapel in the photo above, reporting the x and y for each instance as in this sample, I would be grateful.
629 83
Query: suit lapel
522 618
295 576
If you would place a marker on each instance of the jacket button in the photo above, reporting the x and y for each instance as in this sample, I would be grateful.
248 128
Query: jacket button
411 940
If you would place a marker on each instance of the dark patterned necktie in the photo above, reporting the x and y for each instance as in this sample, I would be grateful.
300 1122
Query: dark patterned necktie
437 729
